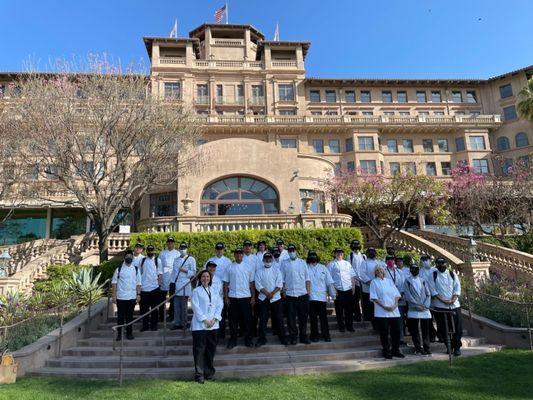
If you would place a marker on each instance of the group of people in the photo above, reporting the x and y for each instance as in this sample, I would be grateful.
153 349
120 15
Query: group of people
278 285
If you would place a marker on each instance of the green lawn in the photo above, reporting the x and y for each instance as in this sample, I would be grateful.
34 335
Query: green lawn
504 375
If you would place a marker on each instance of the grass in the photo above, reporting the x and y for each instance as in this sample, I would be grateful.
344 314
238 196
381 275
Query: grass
502 375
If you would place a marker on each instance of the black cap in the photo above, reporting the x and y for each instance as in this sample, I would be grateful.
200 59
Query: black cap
370 249
276 253
312 253
338 250
128 251
291 247
184 244
414 266
247 243
170 239
219 246
398 258
261 242
150 248
389 247
440 260
389 257
138 244
210 264
280 241
425 256
267 255
355 241
238 250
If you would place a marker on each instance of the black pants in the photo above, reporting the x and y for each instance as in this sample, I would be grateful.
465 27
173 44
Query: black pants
149 301
317 310
204 345
356 304
417 325
344 309
125 315
274 310
240 316
368 309
388 326
403 320
223 322
255 315
297 307
170 315
457 326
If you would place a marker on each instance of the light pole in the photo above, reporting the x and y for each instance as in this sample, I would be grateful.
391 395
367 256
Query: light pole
4 263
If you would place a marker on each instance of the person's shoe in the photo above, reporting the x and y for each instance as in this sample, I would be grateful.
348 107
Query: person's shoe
260 343
305 341
209 378
200 380
328 339
231 344
153 329
118 339
293 341
457 352
342 330
350 329
387 356
176 327
419 352
398 354
314 339
403 343
130 337
284 342
248 343
144 329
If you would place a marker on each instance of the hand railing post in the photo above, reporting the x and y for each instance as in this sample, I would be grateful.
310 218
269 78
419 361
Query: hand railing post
469 304
121 355
184 312
60 341
89 309
447 333
109 305
528 326
165 328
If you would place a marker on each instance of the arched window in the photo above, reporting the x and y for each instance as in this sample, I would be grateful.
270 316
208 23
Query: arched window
502 143
239 195
521 139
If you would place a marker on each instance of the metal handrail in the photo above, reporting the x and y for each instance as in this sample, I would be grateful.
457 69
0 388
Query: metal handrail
447 332
154 309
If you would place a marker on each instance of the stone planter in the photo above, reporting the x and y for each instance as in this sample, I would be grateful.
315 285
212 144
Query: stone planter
8 373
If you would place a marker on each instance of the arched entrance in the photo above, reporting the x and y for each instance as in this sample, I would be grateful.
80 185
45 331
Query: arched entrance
239 195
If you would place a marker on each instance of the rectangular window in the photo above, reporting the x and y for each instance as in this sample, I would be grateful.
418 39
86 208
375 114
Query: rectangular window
509 113
318 145
401 97
423 113
427 144
443 145
436 96
202 94
288 143
350 166
365 96
349 96
220 94
507 164
481 166
368 113
314 96
338 168
506 91
331 96
392 145
388 113
460 144
290 111
348 144
477 143
317 206
334 146
386 96
431 169
368 167
173 90
471 96
421 97
365 143
394 168
316 112
286 92
257 91
439 113
404 113
163 204
407 146
410 168
445 167
457 96
331 112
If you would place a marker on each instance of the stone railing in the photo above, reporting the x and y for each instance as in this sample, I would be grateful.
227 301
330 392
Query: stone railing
229 64
241 222
228 42
173 60
409 241
21 254
500 257
284 63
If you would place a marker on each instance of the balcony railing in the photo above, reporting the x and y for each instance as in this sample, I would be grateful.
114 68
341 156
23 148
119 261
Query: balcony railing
229 64
257 101
172 60
201 100
284 63
228 42
229 100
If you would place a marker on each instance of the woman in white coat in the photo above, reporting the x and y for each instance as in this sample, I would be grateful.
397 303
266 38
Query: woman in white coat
207 309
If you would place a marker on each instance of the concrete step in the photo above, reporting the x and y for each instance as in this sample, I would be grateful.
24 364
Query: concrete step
244 371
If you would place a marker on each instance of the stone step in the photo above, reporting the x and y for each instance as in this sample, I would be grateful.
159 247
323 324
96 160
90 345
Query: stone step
245 371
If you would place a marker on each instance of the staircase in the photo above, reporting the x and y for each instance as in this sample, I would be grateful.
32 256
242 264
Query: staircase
94 357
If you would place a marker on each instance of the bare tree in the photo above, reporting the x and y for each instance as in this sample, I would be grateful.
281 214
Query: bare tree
102 137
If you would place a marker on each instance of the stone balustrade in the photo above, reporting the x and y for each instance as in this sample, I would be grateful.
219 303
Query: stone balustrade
500 257
21 254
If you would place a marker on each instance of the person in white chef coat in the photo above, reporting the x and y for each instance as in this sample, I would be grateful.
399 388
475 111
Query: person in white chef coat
206 308
344 281
356 258
149 268
166 259
183 271
385 296
321 287
418 297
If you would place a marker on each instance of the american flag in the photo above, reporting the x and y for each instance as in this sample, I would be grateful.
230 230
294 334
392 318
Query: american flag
219 14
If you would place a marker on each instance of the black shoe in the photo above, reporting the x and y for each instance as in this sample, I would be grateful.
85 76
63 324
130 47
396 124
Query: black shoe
284 342
209 378
457 352
153 329
305 340
293 341
231 344
328 339
314 339
200 380
387 356
118 339
248 343
260 343
398 354
176 327
342 330
130 337
402 343
428 353
350 329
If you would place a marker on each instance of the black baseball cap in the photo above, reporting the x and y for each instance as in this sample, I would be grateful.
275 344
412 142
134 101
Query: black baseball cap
261 242
184 245
370 249
338 250
291 247
425 257
440 260
389 257
356 242
219 246
276 253
139 244
210 264
170 239
398 258
267 255
280 241
150 248
128 251
247 243
238 250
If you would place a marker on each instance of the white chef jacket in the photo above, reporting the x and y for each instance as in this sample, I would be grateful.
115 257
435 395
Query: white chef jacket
137 259
417 293
217 286
446 287
284 255
130 278
259 259
295 274
269 279
321 283
204 308
239 276
222 263
148 268
342 274
181 278
166 259
398 278
367 272
427 273
385 291
356 259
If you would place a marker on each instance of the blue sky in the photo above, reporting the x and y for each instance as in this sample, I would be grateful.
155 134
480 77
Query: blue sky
349 38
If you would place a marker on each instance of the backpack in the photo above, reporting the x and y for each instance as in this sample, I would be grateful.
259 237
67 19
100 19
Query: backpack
120 267
144 259
435 275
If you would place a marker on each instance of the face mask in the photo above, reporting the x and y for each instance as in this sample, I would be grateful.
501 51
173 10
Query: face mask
128 260
150 254
268 264
355 247
292 255
372 255
441 267
390 263
313 261
183 252
426 264
414 271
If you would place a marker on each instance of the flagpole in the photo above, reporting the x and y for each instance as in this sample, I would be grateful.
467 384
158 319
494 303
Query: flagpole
227 12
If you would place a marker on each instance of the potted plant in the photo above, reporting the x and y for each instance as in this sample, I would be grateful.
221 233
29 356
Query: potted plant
8 367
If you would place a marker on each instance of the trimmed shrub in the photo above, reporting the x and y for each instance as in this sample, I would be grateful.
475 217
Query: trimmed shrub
106 269
202 244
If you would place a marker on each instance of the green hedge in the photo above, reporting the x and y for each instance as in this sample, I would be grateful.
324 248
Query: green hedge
201 245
